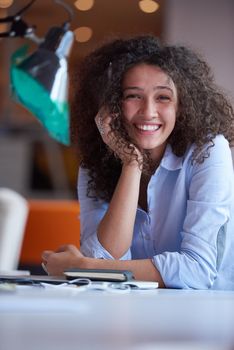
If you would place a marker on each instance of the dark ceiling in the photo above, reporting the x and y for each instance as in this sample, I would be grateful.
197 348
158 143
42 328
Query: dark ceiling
107 18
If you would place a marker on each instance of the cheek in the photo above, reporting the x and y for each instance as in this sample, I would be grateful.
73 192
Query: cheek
170 116
128 111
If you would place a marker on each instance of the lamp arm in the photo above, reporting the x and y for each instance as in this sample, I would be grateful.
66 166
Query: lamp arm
25 8
69 11
7 19
12 18
19 28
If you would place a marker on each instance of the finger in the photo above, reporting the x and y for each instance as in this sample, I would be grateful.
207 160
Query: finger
100 116
103 120
46 254
103 117
64 248
100 125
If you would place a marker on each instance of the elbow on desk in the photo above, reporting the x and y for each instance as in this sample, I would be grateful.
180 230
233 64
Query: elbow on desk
179 271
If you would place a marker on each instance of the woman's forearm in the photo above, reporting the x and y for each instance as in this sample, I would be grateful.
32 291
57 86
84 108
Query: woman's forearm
68 256
142 269
115 231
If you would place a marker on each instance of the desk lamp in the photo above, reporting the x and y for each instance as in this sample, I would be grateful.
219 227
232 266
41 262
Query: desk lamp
39 81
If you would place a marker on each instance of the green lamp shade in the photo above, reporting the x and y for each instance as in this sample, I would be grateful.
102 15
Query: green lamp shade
39 83
54 115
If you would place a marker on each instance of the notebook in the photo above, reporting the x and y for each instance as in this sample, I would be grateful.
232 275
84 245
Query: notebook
36 279
100 274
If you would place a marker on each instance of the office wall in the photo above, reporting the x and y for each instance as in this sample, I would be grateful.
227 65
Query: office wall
206 26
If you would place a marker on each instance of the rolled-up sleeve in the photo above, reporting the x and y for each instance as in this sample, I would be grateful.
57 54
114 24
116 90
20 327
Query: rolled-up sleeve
91 213
210 194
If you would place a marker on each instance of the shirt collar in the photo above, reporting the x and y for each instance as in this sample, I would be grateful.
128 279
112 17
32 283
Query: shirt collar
170 161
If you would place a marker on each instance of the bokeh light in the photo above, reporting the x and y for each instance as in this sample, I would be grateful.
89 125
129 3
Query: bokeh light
83 34
84 5
148 6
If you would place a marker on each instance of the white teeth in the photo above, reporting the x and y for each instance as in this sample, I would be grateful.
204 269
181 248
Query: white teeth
148 127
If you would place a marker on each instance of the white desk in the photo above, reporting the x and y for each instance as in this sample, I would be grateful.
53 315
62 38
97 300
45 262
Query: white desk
34 318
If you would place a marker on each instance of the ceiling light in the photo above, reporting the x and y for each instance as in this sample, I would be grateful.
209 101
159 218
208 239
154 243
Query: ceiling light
84 5
148 6
5 3
83 34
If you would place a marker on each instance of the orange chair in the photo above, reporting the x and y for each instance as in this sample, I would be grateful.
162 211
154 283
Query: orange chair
50 224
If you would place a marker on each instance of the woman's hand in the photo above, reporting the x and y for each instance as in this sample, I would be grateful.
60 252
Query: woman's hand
103 120
65 257
128 154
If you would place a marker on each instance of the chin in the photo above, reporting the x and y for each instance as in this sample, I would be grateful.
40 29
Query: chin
150 147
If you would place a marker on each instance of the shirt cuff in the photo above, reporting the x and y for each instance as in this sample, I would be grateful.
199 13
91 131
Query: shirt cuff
92 248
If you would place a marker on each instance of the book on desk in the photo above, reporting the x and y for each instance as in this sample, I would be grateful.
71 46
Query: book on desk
79 274
81 277
99 274
124 277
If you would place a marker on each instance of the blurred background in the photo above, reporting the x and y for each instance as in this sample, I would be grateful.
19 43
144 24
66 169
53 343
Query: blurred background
37 166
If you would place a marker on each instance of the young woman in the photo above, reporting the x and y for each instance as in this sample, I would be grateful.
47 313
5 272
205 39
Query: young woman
156 185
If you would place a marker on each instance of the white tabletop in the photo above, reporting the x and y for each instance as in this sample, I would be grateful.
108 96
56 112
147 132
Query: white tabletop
47 319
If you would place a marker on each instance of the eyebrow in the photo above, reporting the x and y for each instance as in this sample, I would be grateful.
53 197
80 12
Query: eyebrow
159 87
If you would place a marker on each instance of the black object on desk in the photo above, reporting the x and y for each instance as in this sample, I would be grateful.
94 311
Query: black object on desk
37 279
99 274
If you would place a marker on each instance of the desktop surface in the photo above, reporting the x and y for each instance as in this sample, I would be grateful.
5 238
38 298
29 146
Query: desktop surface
68 318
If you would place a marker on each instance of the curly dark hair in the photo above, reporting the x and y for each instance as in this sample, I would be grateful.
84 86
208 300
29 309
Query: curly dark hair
203 109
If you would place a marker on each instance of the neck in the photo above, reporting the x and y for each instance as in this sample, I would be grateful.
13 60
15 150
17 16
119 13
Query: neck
156 155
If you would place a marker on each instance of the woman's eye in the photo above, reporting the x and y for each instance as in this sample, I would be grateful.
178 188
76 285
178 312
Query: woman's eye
163 98
131 96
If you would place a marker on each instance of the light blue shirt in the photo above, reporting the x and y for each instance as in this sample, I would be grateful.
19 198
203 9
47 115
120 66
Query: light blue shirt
188 231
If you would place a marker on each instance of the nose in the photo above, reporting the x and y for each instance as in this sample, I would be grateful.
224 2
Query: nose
149 109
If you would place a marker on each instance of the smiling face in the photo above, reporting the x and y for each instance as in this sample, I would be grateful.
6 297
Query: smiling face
149 107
